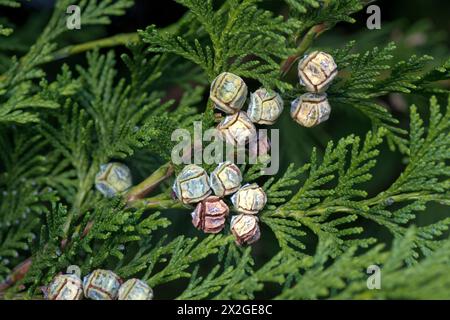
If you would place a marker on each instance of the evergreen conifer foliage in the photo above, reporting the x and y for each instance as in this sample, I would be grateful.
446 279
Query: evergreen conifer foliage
326 219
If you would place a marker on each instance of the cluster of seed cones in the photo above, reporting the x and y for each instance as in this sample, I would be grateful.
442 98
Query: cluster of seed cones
98 285
316 71
194 186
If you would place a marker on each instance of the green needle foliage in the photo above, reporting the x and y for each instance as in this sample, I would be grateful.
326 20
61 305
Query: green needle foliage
226 36
327 219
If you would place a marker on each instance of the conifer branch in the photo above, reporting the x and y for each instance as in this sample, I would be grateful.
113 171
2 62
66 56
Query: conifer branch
317 213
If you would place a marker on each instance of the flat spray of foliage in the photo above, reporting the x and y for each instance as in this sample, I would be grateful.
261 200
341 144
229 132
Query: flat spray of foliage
55 133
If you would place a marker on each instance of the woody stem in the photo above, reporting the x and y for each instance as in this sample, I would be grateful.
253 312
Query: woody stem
304 44
116 40
158 202
149 184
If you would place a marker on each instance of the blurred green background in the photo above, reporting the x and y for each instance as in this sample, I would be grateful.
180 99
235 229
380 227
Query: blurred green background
418 27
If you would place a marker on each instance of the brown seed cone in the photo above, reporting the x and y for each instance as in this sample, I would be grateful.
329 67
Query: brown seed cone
316 71
210 215
245 228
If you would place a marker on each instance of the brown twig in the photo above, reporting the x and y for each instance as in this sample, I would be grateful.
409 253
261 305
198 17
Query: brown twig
149 184
17 274
305 43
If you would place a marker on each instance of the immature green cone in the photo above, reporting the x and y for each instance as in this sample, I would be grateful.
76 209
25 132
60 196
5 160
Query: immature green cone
225 179
192 184
265 106
228 92
316 71
65 287
135 289
250 199
101 285
113 178
310 109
